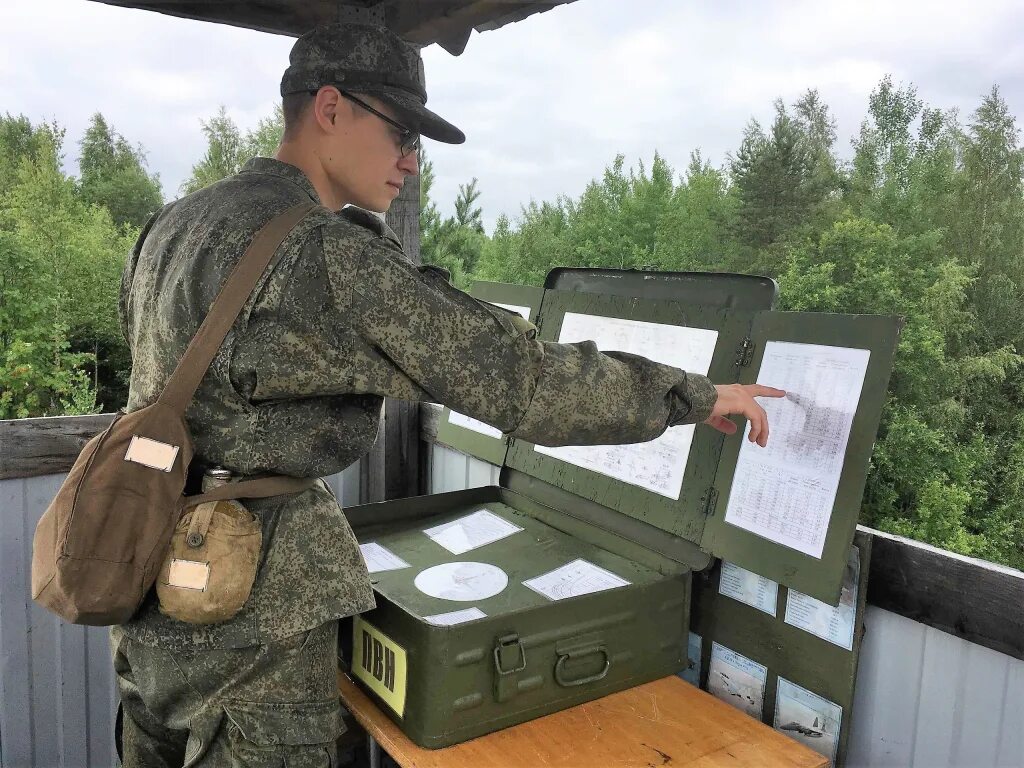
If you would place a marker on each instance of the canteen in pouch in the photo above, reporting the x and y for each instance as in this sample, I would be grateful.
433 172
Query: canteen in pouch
210 568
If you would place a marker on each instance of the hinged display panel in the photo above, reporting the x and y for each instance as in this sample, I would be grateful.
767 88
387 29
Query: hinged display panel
789 511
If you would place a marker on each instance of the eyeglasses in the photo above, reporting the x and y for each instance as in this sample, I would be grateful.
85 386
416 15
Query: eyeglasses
408 141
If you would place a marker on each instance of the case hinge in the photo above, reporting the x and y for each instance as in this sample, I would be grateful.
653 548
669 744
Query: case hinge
745 354
709 501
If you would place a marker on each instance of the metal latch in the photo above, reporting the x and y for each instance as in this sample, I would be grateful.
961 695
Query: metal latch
745 354
509 652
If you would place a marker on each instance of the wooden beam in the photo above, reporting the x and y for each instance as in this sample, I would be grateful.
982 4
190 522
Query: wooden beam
973 599
48 446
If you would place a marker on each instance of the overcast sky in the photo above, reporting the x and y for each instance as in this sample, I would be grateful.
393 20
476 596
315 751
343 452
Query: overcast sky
546 103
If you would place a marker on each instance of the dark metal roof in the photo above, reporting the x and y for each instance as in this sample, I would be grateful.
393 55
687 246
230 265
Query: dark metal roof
449 23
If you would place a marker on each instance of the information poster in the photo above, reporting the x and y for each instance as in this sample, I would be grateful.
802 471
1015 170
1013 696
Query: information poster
785 492
466 422
657 465
812 720
748 587
834 624
737 680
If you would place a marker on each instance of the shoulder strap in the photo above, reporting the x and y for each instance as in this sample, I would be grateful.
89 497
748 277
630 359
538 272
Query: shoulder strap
190 370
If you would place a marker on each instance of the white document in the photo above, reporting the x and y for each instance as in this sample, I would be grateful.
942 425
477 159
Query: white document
737 680
834 624
749 587
574 579
455 617
467 422
657 465
380 558
464 582
785 492
472 531
812 720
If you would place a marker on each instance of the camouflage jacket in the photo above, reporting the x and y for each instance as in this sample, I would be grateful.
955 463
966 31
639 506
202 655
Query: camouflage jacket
339 320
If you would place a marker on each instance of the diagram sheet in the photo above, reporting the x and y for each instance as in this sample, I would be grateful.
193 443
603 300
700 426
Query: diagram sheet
785 492
472 531
467 422
462 581
452 618
380 558
657 465
574 579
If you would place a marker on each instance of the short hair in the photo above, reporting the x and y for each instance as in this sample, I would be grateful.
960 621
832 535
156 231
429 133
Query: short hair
294 106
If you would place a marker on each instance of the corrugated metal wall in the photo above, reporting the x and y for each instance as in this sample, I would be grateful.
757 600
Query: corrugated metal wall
924 699
57 695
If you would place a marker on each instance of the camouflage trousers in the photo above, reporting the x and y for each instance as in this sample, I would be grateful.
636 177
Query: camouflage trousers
268 705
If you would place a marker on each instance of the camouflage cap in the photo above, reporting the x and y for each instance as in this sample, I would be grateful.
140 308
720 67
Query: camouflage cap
370 59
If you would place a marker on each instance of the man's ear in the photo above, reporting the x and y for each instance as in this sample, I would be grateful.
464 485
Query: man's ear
325 109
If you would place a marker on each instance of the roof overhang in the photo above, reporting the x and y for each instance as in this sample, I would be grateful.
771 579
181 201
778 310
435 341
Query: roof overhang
449 23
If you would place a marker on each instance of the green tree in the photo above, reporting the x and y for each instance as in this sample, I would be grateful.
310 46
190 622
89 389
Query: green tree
227 149
113 175
60 262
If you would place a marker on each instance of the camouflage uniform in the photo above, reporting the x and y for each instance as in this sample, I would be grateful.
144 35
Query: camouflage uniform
339 320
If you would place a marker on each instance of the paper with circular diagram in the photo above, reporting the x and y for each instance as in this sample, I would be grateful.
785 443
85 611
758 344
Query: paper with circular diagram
657 465
811 719
467 422
573 580
464 582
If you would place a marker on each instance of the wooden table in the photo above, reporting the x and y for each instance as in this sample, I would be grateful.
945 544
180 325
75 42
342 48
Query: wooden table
667 722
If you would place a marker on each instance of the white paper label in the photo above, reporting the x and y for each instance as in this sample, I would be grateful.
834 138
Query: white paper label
737 680
785 492
657 465
834 624
464 582
151 453
811 719
188 574
749 587
455 617
466 422
574 579
471 532
380 558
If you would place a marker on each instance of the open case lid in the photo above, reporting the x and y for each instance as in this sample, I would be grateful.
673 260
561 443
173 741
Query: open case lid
462 432
708 289
678 487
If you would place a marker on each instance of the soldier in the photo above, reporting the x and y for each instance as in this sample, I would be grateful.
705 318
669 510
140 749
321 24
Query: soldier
339 320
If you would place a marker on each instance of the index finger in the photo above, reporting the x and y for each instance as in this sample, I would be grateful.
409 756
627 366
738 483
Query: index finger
761 390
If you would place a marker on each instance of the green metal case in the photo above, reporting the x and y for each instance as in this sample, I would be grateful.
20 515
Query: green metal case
527 655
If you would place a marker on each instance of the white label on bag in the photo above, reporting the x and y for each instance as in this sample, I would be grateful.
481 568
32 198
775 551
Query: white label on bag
188 574
151 453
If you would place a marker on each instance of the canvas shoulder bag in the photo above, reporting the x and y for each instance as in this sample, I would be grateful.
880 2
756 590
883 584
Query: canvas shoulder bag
101 542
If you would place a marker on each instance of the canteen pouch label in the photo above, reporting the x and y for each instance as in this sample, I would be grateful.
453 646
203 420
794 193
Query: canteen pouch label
188 574
379 662
151 453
